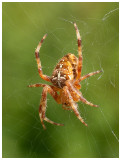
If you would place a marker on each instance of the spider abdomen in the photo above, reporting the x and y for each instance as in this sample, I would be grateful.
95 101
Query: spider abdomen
65 70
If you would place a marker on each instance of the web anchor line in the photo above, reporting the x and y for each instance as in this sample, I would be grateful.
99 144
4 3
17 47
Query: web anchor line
109 126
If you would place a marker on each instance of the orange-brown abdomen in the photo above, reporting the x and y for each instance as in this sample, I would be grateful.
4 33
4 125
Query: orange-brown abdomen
65 70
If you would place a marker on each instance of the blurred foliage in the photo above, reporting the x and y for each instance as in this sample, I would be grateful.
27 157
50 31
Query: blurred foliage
23 25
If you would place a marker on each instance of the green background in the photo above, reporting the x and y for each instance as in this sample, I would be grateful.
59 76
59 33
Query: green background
23 25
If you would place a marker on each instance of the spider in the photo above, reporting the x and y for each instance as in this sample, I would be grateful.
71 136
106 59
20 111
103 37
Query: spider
65 79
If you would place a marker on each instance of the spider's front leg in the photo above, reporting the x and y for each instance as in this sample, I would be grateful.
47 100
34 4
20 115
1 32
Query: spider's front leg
73 104
45 77
79 78
79 51
43 103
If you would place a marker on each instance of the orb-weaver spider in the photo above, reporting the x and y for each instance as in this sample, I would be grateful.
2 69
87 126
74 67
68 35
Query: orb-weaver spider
65 80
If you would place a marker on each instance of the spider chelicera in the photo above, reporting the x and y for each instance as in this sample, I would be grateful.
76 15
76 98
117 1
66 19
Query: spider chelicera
65 80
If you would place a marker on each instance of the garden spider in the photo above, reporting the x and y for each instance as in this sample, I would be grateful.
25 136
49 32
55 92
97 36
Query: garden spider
66 79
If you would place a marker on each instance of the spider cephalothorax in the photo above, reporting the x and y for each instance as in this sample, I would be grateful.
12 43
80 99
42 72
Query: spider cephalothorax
66 79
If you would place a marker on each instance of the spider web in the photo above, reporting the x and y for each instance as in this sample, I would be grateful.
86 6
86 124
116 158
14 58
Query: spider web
22 132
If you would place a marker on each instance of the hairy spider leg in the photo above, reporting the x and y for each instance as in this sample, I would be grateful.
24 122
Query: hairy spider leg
80 97
37 85
43 85
45 77
89 75
73 104
79 51
87 102
43 103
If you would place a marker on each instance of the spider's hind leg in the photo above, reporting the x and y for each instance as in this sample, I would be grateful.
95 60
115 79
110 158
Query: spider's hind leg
73 104
49 121
43 103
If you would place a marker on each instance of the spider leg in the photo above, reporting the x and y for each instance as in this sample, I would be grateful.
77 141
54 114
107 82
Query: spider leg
43 85
79 51
89 75
49 121
73 104
45 77
78 94
43 103
37 85
87 102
